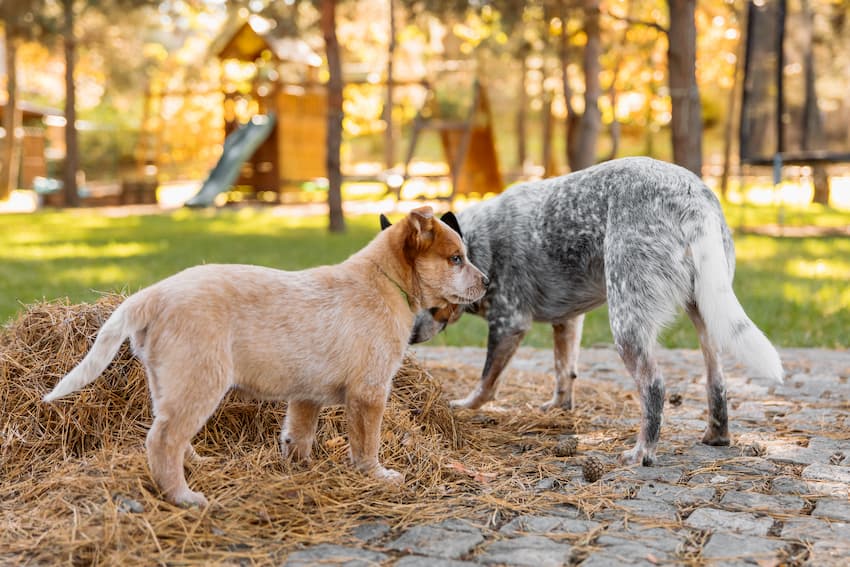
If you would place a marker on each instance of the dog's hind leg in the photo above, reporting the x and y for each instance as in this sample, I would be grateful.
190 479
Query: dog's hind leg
640 362
567 338
717 432
637 312
299 429
502 343
181 412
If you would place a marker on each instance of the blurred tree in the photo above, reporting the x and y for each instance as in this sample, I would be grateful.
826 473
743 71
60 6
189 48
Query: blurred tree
389 144
72 154
63 25
583 130
19 24
686 107
335 115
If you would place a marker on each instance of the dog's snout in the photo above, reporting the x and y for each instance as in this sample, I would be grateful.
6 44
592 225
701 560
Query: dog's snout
485 281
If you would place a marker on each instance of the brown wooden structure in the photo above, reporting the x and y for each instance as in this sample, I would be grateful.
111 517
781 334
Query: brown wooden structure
32 153
286 84
468 144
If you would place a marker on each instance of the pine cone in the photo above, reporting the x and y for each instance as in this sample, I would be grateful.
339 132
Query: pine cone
592 469
566 447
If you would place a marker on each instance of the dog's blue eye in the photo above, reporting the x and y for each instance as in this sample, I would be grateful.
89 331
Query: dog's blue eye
456 260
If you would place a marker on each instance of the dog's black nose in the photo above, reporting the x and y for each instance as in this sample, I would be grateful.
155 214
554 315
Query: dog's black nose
485 280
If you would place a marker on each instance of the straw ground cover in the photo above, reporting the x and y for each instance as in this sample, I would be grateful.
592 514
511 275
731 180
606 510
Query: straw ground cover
793 288
74 483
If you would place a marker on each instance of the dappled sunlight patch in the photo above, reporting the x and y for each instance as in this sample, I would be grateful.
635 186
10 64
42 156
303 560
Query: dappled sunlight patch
69 250
750 248
840 192
19 202
822 268
102 277
791 193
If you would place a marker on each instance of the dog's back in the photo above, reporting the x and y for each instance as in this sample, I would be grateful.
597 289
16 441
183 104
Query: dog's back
543 243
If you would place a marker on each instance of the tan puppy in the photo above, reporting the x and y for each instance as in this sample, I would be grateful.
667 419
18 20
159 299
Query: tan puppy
327 335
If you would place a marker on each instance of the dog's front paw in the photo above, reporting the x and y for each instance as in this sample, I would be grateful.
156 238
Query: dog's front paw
472 401
637 456
295 452
716 439
388 475
556 403
189 498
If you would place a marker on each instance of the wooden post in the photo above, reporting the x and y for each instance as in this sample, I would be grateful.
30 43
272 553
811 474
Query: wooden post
335 115
72 154
389 147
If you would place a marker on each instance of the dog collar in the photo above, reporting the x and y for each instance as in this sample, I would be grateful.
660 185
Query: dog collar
400 289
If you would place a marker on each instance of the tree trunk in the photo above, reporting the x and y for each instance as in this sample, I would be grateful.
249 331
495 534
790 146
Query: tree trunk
591 119
686 120
812 120
72 158
820 180
731 112
389 147
546 115
522 104
334 133
572 119
11 123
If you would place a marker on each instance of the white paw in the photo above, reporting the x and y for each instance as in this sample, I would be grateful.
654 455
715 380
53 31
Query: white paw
555 404
472 401
388 475
637 456
190 498
294 452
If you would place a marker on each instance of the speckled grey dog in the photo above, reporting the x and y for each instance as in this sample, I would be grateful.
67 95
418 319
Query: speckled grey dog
648 237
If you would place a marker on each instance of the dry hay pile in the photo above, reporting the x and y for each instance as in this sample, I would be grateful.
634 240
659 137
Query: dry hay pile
75 487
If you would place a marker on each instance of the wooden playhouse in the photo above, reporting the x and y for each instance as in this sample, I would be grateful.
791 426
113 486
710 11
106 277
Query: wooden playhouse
264 74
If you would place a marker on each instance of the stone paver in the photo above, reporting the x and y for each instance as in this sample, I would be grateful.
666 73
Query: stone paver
808 529
621 536
371 531
327 554
829 554
678 495
715 520
419 561
638 508
732 549
448 540
819 450
753 501
829 473
529 551
548 524
780 491
832 510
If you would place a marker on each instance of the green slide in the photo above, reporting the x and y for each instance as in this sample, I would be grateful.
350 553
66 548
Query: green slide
238 146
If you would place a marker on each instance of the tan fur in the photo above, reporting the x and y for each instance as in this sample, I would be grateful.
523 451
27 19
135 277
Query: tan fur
328 335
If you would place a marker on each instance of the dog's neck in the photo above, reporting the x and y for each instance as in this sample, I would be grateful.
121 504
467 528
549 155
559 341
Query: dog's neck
410 301
384 255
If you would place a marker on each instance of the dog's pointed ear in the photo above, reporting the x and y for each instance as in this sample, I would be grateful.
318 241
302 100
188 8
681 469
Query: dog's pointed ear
385 222
450 219
420 223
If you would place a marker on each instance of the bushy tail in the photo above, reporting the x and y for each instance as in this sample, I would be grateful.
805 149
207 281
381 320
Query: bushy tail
105 347
725 319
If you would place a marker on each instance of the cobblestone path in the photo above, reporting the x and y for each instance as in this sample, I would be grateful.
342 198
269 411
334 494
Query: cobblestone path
780 495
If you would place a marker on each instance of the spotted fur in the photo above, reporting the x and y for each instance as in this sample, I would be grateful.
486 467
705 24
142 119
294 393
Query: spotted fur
646 236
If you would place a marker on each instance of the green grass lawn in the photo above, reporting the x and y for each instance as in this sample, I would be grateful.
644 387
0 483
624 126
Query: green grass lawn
796 290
